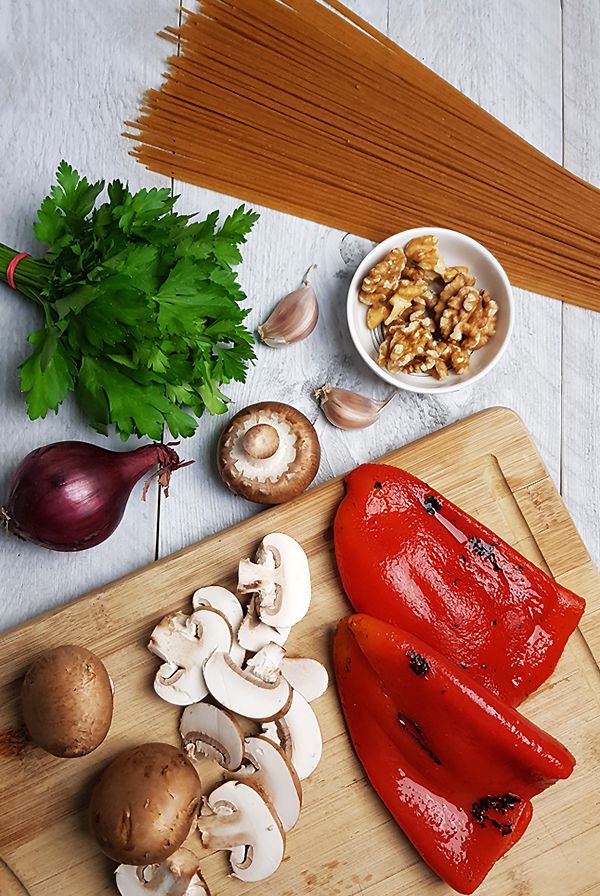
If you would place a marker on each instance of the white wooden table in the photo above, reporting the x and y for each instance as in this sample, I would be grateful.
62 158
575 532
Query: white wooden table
73 71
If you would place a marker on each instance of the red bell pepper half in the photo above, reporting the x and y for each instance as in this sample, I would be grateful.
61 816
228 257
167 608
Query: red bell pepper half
410 557
455 765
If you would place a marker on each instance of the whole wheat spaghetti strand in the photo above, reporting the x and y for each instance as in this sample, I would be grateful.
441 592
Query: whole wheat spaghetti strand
457 172
540 193
174 144
253 134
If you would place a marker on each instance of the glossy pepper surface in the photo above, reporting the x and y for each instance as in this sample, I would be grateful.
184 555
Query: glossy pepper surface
409 556
454 764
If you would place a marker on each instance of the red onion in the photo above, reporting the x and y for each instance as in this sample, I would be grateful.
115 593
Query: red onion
70 496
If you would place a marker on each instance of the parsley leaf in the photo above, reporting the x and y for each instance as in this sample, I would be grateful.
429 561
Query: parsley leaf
48 373
144 316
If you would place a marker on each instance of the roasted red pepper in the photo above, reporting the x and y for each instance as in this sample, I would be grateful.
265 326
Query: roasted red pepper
409 556
453 763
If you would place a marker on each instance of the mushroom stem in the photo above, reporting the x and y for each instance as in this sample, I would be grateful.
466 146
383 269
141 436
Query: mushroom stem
261 441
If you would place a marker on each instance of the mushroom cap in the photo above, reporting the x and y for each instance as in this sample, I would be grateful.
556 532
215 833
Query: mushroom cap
279 578
298 734
179 875
223 600
184 643
254 634
144 804
269 768
213 732
244 693
67 698
307 676
280 476
244 821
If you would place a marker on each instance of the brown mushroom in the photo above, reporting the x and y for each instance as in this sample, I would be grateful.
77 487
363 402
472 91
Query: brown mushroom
67 701
268 453
144 804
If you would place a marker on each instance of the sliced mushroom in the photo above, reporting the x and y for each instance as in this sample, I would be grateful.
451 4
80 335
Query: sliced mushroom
184 643
273 773
254 634
266 664
268 453
218 598
244 693
280 580
213 732
242 820
299 736
179 875
179 686
307 676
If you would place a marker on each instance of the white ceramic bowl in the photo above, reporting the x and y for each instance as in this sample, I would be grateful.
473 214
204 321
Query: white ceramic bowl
455 249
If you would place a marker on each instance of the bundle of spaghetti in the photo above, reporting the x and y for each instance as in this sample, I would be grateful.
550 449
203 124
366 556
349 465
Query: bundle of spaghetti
302 106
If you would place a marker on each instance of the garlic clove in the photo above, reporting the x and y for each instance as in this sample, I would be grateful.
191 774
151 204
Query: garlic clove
349 410
294 318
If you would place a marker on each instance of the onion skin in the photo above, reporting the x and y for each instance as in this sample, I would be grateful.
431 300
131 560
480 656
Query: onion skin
70 496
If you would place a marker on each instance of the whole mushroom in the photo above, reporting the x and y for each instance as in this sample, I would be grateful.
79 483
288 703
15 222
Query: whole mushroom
67 699
268 453
144 804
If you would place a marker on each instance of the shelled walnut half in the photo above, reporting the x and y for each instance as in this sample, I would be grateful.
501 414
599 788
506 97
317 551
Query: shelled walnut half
432 317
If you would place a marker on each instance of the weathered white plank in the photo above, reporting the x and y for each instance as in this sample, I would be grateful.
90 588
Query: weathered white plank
506 57
71 73
278 253
581 329
474 46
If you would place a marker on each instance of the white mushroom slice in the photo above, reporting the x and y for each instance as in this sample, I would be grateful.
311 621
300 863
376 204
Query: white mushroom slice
221 599
254 634
299 736
184 643
271 770
213 732
179 875
242 820
266 664
179 686
244 693
280 579
307 676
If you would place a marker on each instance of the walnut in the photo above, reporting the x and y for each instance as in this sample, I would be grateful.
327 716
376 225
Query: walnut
450 356
469 318
422 364
406 343
404 297
383 279
377 314
452 287
432 316
450 273
423 252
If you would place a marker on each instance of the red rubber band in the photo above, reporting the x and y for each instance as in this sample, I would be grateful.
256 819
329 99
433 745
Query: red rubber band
10 271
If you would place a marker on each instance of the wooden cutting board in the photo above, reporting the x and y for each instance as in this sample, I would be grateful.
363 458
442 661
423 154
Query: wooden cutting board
345 842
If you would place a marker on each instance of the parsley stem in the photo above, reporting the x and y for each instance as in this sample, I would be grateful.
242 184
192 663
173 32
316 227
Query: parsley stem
31 274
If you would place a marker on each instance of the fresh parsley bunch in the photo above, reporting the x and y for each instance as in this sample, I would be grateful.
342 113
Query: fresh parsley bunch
143 316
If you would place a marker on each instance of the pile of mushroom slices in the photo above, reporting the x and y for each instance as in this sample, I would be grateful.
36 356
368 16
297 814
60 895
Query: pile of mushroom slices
236 659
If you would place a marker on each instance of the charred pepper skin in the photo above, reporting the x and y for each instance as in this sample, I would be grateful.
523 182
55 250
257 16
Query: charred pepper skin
454 764
409 556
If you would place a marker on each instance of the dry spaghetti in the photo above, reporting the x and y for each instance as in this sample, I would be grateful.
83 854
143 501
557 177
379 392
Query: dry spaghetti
304 107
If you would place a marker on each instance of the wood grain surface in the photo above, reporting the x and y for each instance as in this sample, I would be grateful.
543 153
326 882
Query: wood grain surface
72 72
345 842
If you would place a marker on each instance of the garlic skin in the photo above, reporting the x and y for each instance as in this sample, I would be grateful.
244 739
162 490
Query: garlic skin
293 319
349 410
